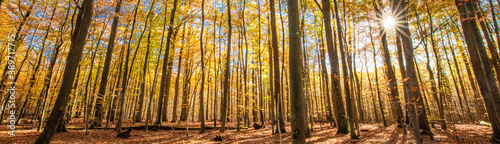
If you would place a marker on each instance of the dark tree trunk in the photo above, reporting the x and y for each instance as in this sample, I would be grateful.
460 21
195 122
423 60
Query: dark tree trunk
411 83
227 71
480 64
125 72
277 82
107 62
202 68
391 76
343 125
78 40
298 110
163 81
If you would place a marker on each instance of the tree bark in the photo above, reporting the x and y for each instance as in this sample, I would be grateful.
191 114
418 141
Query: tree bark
78 40
412 89
163 81
480 64
277 87
227 71
202 68
107 62
391 76
125 72
298 112
342 124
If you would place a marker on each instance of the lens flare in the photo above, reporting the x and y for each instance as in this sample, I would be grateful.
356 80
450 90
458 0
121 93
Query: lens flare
389 22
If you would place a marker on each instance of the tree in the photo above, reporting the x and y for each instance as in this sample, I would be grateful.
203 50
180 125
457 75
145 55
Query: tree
480 64
164 68
339 103
411 83
142 86
107 62
277 82
298 110
396 105
78 40
227 71
202 67
125 72
48 77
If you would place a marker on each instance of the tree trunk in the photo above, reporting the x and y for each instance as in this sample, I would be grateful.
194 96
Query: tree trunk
391 76
163 81
347 91
176 89
343 125
480 64
412 89
298 111
125 72
107 62
78 40
142 84
202 67
261 103
227 71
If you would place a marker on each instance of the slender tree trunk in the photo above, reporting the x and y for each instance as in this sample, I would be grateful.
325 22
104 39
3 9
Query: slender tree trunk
202 67
398 6
345 71
261 103
216 79
391 76
277 82
176 89
142 86
163 81
107 62
125 72
343 125
227 72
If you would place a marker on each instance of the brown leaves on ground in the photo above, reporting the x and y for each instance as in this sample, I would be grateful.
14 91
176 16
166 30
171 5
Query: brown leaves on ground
371 133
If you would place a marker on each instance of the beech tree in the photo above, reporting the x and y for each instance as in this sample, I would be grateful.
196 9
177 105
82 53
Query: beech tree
78 40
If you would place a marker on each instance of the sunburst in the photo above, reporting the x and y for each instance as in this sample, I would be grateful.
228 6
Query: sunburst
393 20
389 22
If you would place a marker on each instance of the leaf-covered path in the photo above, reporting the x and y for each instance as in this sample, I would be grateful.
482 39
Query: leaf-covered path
370 133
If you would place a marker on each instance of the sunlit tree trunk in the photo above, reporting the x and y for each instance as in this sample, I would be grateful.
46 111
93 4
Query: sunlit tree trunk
176 86
391 76
202 67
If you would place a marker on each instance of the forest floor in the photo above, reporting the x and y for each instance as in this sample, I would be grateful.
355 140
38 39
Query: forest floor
370 133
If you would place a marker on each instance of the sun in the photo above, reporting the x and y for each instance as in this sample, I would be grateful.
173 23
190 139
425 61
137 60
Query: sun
389 22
